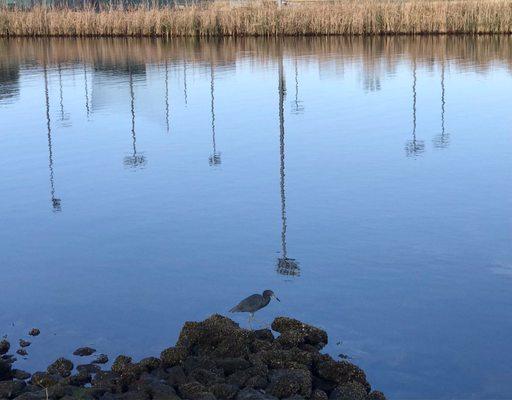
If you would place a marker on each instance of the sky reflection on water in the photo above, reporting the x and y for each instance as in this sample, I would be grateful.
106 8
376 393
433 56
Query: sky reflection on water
365 181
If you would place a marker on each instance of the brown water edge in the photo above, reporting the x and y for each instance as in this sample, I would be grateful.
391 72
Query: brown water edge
377 54
266 18
212 359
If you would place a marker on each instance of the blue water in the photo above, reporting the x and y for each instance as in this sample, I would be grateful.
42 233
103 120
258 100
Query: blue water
366 181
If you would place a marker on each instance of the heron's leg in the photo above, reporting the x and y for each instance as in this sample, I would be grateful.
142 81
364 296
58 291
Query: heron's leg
251 318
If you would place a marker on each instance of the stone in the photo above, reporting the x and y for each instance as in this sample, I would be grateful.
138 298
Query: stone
43 379
376 395
318 394
4 346
120 363
231 365
61 367
34 332
223 391
149 363
253 394
5 370
11 389
84 351
20 374
349 391
22 352
288 382
341 372
176 376
88 368
173 356
307 333
24 343
101 359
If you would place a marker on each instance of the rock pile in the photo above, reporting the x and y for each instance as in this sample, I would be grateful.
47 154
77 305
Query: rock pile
213 359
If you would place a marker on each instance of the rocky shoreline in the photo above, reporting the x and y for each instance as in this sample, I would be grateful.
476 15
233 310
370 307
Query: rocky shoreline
212 359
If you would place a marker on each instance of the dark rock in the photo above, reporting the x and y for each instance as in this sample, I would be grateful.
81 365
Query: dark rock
191 363
43 379
176 376
61 367
300 331
205 377
318 394
4 346
323 385
106 380
149 363
19 374
60 390
84 351
5 370
288 382
22 352
215 337
189 390
11 389
376 395
133 395
341 372
88 368
253 394
257 382
101 359
287 359
34 332
223 391
264 334
160 391
242 378
39 395
120 363
230 365
173 356
24 343
349 391
80 379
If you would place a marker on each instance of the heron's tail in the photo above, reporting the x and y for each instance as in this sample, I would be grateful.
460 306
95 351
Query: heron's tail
235 308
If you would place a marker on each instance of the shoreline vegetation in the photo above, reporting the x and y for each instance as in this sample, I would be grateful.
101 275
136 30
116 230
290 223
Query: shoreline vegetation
212 360
265 18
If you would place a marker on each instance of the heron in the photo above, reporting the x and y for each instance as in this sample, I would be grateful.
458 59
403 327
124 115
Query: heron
254 303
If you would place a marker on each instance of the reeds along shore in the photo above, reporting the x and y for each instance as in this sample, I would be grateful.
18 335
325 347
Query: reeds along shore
256 18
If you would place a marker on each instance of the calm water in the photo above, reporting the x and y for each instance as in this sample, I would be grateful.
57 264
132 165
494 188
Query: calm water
367 182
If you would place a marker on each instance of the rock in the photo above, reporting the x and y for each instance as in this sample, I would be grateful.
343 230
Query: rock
173 356
230 365
101 359
80 379
22 352
253 394
8 358
5 370
189 390
24 343
288 382
300 331
349 391
287 359
223 391
341 372
215 337
34 332
11 389
160 391
61 367
43 379
264 334
84 351
105 380
39 395
4 346
120 363
176 376
318 394
60 390
149 364
21 375
376 395
193 362
88 368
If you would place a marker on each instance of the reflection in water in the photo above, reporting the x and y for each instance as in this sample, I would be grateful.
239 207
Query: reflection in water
167 96
185 80
285 265
298 108
215 157
9 80
414 147
63 116
56 202
86 92
443 140
135 160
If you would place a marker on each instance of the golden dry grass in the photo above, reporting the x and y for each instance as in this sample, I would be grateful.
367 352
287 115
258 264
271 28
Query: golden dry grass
256 18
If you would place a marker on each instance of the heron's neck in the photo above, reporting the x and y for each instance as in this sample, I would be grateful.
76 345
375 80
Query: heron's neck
266 299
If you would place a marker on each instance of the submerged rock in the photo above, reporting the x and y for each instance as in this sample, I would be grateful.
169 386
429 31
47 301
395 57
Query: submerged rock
61 367
24 343
22 352
34 332
19 374
101 359
84 351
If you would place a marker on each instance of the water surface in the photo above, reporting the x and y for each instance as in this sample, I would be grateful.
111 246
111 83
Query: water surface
366 181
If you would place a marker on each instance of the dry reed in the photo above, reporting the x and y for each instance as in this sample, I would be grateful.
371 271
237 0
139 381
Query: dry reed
343 17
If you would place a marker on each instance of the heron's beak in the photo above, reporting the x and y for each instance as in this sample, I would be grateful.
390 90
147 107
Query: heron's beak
275 297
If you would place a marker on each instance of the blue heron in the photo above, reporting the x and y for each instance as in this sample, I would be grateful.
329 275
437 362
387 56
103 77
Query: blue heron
254 303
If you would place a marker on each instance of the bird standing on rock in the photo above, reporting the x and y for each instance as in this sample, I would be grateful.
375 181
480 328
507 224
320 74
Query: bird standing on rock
254 303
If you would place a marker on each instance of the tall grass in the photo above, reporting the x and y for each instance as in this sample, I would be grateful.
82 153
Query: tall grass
257 18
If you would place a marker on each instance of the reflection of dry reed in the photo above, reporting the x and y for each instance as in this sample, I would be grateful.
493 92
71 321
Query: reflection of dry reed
258 18
378 54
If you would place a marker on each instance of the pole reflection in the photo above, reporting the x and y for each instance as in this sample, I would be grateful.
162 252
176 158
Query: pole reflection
135 160
285 265
214 158
442 140
414 147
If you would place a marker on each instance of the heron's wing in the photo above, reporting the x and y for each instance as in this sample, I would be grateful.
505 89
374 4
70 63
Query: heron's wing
248 304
